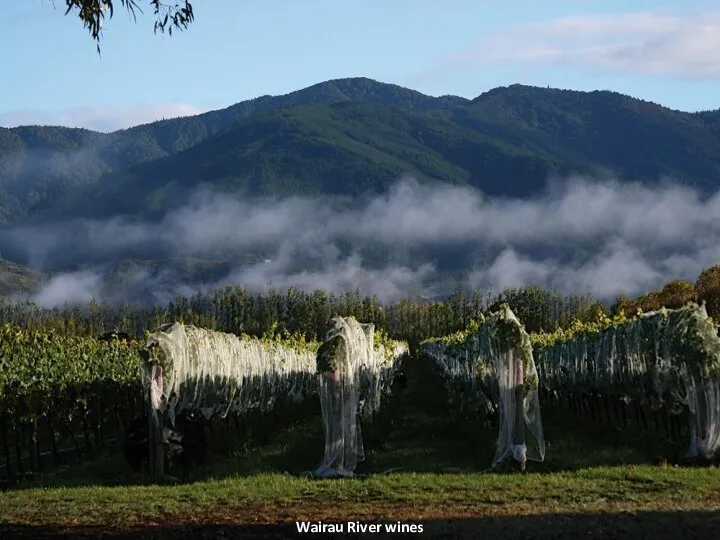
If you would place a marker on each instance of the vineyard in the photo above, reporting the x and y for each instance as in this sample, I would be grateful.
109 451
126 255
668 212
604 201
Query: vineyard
316 385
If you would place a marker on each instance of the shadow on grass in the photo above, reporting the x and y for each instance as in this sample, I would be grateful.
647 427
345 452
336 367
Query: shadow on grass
635 525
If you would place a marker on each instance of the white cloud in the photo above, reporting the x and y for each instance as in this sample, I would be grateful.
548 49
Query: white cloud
104 119
618 269
77 287
655 43
581 236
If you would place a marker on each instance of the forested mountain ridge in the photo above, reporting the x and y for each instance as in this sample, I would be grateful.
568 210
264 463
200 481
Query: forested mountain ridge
350 137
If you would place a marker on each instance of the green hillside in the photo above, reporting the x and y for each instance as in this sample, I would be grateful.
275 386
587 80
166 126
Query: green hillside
351 137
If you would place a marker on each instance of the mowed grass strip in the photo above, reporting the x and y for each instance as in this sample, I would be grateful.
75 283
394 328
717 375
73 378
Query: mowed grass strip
276 498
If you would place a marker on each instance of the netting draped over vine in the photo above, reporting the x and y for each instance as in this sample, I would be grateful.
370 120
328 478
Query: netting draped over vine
665 358
353 374
496 360
193 369
216 373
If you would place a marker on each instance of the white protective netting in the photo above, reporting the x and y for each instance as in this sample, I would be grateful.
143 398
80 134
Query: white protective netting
216 373
496 362
353 375
666 358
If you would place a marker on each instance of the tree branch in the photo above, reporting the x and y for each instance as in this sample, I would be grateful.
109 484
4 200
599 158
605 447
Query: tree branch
93 13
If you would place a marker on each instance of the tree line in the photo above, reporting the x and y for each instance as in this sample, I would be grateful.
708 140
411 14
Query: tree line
237 310
675 294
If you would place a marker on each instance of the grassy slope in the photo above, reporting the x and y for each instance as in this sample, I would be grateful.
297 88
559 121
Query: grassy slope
253 491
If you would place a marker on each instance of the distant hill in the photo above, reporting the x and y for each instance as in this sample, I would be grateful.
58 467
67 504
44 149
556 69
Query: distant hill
355 136
40 164
347 137
17 279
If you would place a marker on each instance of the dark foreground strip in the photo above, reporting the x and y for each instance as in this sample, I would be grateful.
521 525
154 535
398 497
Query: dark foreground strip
630 525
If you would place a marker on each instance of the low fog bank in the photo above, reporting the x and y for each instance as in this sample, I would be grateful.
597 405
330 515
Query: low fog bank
582 236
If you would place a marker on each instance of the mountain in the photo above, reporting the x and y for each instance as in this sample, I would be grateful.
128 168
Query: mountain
40 164
351 137
347 138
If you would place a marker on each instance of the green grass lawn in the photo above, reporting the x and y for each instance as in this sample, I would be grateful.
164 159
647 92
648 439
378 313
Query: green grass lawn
594 478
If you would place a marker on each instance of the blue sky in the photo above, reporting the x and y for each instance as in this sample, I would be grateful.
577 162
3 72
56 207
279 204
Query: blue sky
240 49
